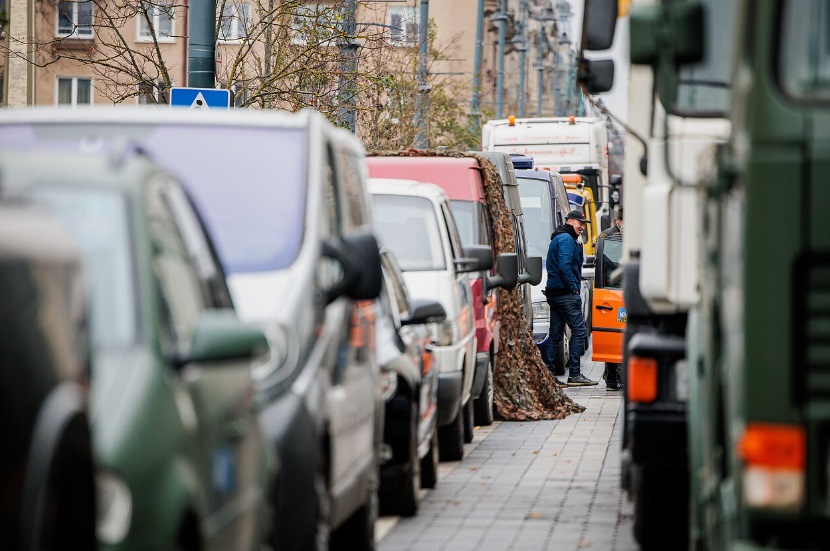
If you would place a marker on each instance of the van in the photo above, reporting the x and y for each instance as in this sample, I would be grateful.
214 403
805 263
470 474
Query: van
462 180
284 197
415 221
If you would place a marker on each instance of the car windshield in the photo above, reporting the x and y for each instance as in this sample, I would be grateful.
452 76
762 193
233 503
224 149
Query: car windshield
98 222
537 207
253 202
464 214
408 226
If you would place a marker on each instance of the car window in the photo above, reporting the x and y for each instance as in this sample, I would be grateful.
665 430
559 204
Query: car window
409 227
353 177
329 271
180 295
253 201
452 229
538 211
611 255
99 222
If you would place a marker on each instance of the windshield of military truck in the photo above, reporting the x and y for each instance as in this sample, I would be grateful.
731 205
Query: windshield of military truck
253 203
804 57
703 88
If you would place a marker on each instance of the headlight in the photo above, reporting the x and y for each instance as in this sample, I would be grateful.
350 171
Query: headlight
447 333
541 310
388 384
115 508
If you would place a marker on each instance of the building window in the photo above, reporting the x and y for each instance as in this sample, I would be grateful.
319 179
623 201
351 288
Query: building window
153 93
235 21
316 25
74 91
403 26
75 19
160 16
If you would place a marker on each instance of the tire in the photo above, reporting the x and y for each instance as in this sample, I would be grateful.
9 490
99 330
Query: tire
402 497
429 463
661 508
469 425
451 439
483 405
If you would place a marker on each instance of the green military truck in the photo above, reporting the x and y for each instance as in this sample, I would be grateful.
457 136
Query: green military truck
754 378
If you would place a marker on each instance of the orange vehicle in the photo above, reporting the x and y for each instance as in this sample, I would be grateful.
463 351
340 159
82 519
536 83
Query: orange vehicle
607 306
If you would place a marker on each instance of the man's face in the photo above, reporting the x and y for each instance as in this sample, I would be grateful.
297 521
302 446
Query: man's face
578 226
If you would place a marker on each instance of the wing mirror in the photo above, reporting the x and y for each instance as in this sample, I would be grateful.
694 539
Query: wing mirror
534 271
508 272
423 311
359 256
219 336
477 258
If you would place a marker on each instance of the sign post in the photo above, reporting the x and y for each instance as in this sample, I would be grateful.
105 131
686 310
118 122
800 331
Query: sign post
200 98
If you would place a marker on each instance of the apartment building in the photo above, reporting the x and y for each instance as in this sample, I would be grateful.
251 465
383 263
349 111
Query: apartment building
96 53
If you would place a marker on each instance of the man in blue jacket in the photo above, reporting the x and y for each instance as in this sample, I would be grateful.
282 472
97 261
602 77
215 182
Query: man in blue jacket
564 267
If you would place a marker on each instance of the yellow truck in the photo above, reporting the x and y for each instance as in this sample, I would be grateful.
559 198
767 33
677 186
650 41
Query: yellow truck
581 197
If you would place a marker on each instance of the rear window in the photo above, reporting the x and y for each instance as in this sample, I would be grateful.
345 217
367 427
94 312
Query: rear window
408 226
252 202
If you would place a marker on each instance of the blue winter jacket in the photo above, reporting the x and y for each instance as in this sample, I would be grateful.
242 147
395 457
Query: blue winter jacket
564 260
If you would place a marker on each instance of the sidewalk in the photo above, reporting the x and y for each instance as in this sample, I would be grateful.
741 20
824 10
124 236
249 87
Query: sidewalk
529 486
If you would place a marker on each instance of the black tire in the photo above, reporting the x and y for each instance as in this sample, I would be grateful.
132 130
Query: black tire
483 405
402 497
469 425
661 508
429 463
451 439
358 532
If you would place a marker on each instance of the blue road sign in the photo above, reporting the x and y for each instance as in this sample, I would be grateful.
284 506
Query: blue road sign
200 98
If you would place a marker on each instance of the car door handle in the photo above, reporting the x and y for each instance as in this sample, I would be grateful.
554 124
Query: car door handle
603 307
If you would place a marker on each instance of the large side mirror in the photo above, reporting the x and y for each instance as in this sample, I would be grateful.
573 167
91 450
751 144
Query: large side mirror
359 256
477 258
534 271
220 336
590 261
423 311
508 272
598 24
596 74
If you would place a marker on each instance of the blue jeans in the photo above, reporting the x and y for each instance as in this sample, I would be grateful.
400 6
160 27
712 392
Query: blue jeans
564 310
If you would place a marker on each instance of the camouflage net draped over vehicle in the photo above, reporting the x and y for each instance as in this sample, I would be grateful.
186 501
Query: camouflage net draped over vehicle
524 388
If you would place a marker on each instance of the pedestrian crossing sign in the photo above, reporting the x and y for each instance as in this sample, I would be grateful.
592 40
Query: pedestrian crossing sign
200 98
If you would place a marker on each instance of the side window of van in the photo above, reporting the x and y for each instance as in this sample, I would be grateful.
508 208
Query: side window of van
328 221
452 230
352 177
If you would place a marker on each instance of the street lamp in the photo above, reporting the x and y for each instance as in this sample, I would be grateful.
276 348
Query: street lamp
500 18
520 42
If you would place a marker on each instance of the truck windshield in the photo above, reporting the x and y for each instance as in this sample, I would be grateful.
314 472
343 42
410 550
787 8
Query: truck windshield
804 50
464 214
703 88
253 203
537 205
408 226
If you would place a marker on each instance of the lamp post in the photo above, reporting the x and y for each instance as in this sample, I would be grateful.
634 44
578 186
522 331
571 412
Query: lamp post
542 16
474 118
422 90
500 18
201 44
347 92
520 40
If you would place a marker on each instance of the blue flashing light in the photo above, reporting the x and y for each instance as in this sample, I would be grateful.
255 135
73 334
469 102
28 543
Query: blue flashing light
521 162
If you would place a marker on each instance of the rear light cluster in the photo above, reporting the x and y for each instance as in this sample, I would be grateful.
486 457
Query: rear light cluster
641 383
773 471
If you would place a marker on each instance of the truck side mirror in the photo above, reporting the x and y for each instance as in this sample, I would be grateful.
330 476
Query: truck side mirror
508 272
477 258
534 271
598 24
597 75
359 256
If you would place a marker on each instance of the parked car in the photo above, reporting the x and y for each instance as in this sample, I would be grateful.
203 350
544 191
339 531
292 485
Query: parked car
530 265
284 196
410 389
414 220
180 457
461 178
46 468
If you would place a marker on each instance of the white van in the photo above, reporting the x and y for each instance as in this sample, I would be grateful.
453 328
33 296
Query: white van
414 220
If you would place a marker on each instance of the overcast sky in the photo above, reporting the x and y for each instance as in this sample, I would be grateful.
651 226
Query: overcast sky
617 99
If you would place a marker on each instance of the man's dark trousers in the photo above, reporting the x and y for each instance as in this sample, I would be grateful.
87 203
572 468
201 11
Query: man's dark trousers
567 309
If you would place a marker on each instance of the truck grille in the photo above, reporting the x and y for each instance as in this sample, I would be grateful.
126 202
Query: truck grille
812 328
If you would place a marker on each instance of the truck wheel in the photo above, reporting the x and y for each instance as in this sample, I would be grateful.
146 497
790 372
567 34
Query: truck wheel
661 508
429 463
483 406
402 498
451 439
469 425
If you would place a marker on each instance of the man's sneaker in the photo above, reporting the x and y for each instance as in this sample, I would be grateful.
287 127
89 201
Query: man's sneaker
613 385
580 380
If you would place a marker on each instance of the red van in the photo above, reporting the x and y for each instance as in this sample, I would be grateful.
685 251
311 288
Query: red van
462 181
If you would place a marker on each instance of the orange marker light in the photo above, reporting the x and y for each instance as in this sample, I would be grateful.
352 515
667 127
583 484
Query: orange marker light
511 120
768 445
642 379
571 120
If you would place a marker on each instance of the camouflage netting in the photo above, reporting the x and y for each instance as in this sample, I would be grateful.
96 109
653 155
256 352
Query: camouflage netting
524 388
